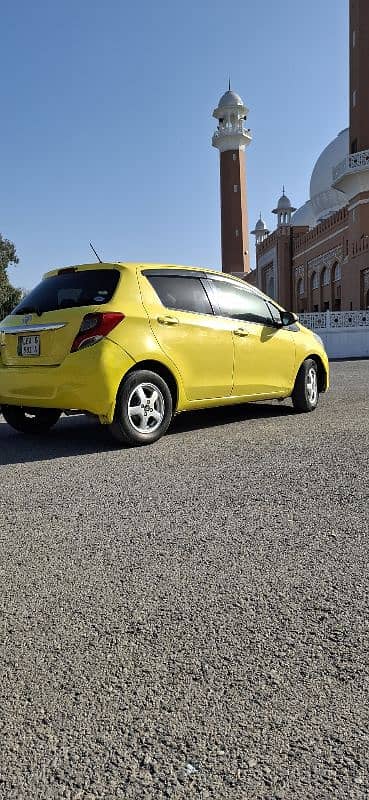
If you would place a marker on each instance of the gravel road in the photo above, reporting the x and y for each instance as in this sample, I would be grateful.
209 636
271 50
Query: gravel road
190 619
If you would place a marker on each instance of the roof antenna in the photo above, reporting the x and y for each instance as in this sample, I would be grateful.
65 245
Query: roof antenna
98 257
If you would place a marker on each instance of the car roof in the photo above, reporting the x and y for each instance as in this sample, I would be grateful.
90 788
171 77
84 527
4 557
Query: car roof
140 265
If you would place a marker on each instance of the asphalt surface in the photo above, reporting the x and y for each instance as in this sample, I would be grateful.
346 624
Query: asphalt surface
190 619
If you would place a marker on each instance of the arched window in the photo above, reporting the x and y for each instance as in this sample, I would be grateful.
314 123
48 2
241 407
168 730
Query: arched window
337 272
300 287
314 281
325 277
270 286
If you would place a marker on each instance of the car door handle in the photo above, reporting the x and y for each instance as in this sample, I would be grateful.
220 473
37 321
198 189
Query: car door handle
168 320
241 332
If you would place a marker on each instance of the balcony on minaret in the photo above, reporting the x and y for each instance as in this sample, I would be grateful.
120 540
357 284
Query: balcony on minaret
231 127
351 175
231 114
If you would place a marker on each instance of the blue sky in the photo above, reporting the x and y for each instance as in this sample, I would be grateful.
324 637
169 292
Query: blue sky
107 120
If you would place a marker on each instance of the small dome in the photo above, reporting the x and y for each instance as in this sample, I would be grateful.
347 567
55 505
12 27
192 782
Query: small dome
284 203
260 228
230 99
260 225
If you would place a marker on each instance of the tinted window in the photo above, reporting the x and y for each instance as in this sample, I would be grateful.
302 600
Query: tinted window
241 304
71 289
184 294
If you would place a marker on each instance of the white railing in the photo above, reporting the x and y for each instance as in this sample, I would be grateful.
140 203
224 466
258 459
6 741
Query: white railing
230 130
352 163
335 319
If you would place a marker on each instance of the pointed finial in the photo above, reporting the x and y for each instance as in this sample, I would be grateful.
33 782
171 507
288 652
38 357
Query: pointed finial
283 189
229 84
260 214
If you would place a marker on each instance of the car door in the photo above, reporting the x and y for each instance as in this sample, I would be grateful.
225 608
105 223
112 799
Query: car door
182 320
264 350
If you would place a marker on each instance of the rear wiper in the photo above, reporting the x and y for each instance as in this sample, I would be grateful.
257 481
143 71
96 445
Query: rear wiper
30 310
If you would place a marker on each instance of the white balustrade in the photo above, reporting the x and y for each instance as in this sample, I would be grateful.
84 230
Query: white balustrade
335 319
352 163
229 130
345 334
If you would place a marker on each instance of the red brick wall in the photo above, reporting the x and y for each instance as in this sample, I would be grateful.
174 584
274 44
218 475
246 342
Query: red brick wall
234 212
359 75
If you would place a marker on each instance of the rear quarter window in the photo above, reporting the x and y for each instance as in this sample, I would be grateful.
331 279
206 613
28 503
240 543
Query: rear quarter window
71 290
181 293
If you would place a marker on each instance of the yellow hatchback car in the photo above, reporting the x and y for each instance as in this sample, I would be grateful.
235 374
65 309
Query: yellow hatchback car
134 344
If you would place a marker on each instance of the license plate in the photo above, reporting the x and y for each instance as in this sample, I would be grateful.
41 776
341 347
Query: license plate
28 345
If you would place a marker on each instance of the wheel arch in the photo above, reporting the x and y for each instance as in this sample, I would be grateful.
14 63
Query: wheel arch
322 374
163 371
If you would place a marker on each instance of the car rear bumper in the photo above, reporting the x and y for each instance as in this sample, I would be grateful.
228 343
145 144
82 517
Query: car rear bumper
87 381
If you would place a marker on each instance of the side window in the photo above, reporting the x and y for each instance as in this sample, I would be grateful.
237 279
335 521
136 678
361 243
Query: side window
183 294
241 304
276 314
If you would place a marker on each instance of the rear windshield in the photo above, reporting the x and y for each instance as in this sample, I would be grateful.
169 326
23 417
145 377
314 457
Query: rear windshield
70 290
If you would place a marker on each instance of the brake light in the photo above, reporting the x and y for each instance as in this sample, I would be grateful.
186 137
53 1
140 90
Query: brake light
95 327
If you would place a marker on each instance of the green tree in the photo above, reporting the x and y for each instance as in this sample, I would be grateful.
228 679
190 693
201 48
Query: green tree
9 296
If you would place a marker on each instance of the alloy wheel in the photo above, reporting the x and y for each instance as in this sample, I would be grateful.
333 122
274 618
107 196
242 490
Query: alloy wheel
146 408
312 386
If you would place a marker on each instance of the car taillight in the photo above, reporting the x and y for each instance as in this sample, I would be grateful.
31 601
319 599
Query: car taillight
94 327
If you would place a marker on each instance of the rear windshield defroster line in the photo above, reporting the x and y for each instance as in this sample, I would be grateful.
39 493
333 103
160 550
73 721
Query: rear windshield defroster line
70 290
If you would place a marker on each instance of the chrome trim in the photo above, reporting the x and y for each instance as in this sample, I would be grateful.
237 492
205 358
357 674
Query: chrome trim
14 329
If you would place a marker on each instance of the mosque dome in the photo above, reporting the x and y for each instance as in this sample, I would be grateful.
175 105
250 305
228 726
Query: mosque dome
324 199
304 215
230 99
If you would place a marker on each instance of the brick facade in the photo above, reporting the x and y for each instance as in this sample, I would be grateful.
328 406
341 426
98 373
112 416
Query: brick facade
327 267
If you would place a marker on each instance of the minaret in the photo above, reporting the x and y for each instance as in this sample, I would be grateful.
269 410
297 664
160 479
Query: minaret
359 75
284 210
231 139
351 176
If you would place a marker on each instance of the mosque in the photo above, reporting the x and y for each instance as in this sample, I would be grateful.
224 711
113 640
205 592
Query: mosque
317 258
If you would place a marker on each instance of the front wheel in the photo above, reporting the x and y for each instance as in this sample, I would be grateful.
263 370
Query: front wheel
305 395
30 420
143 409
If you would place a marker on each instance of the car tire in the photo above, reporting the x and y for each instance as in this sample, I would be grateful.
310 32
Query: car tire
305 394
30 420
143 410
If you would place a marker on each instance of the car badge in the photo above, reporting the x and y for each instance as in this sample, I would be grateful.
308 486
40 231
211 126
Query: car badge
27 319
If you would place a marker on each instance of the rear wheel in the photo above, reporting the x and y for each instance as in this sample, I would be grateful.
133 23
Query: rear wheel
30 420
143 409
305 395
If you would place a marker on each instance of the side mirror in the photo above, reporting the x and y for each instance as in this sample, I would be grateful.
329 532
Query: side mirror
288 318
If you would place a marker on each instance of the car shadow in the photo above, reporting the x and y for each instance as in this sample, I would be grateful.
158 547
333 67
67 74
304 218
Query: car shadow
226 415
81 435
